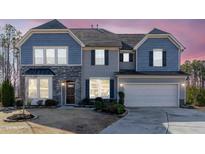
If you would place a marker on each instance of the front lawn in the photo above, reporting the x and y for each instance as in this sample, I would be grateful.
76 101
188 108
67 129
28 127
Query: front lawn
58 121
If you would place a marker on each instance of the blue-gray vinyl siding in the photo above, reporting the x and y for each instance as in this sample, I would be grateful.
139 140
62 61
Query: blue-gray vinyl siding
172 55
101 71
51 39
128 65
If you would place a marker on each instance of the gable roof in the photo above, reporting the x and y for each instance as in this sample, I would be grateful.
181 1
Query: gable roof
53 24
130 40
98 37
93 37
157 31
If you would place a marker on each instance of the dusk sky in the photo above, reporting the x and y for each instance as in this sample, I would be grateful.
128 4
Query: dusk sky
191 33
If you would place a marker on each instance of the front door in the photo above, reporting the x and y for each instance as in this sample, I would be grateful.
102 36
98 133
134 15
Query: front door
70 92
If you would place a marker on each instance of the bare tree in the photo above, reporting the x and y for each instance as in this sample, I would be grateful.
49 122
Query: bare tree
9 37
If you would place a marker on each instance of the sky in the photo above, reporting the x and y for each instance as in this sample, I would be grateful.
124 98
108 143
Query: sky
191 33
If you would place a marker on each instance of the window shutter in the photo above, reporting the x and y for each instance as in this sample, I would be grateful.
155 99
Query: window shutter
121 57
106 57
164 58
92 57
151 58
87 89
111 88
131 57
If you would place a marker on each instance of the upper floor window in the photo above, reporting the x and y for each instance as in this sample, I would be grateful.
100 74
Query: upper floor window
158 57
50 55
126 57
100 57
39 56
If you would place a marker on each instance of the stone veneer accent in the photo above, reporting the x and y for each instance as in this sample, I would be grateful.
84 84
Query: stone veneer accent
61 73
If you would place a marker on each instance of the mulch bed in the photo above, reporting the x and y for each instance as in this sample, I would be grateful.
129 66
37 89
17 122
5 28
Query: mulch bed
20 117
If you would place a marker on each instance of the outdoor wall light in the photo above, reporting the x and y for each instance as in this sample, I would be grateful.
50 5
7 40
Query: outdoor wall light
183 84
62 84
121 85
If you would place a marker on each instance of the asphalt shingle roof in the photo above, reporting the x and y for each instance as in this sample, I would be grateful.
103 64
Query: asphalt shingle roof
39 71
130 40
97 37
53 24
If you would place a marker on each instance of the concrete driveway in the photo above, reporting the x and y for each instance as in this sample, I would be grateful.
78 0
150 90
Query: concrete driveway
159 121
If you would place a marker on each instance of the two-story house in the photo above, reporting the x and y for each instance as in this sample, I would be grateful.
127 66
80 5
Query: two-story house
72 64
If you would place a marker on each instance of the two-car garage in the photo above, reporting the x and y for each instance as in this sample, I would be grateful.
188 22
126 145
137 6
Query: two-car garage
151 95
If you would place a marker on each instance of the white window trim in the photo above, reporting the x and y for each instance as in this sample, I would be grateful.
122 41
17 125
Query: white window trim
158 50
99 78
56 55
96 58
50 86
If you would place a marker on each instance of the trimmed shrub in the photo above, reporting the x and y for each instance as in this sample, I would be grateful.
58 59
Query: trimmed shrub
8 98
121 97
113 108
99 105
51 102
19 102
120 109
87 101
99 99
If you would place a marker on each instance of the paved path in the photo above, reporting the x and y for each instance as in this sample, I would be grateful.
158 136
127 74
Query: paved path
159 121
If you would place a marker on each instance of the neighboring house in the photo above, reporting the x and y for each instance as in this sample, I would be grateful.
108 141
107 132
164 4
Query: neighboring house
72 64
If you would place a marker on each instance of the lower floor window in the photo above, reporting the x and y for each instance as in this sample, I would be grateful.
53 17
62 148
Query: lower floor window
38 87
99 88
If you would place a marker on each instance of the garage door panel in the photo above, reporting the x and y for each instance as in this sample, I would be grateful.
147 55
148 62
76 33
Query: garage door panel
151 95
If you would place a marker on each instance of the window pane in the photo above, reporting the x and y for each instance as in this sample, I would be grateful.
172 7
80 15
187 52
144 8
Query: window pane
99 57
32 88
157 57
50 56
62 56
125 57
38 56
99 88
44 88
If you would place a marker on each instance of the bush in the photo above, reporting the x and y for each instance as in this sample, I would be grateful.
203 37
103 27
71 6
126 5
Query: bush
98 99
19 102
200 98
7 94
121 97
192 93
51 102
120 109
111 107
99 105
195 96
87 101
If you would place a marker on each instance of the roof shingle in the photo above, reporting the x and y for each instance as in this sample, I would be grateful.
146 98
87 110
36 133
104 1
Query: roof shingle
53 24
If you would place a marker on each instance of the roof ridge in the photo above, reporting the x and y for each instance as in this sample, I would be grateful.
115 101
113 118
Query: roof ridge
52 24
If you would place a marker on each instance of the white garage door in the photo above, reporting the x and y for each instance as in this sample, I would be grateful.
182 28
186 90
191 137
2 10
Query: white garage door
139 95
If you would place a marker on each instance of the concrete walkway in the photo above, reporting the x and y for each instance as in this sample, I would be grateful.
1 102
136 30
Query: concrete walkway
159 121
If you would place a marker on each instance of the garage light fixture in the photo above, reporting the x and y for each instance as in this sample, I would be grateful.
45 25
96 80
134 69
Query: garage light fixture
121 85
183 84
